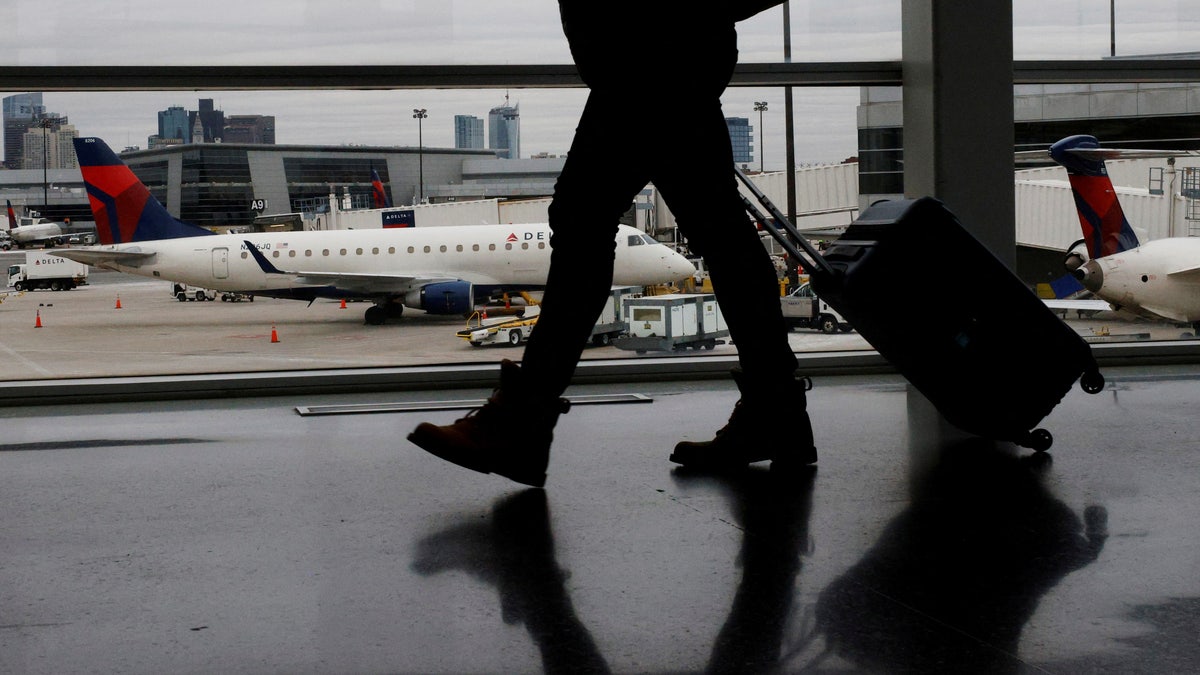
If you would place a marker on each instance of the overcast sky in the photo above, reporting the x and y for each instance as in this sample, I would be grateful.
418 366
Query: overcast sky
173 32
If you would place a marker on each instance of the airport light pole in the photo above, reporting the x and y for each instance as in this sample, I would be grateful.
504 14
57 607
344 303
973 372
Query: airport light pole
44 123
420 114
760 107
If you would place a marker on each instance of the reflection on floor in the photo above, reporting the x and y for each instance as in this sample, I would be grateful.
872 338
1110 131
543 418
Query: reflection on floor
237 536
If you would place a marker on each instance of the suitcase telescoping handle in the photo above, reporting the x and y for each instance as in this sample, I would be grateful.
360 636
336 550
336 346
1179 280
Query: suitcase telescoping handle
789 243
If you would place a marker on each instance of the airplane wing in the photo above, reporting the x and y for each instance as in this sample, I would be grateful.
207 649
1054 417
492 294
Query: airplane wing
366 283
1081 304
97 257
360 283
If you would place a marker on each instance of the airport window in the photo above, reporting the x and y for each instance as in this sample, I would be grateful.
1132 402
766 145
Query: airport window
427 249
524 246
343 252
358 251
459 248
442 248
210 184
375 250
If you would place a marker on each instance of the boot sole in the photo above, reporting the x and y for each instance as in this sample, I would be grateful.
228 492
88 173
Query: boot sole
784 463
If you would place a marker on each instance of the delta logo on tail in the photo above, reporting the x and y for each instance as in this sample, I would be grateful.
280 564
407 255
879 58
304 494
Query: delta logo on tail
1159 279
123 207
12 217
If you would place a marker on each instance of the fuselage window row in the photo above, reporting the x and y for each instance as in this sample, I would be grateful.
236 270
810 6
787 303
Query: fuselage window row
460 248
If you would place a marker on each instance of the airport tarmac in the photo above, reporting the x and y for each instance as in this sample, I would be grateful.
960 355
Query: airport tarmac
82 333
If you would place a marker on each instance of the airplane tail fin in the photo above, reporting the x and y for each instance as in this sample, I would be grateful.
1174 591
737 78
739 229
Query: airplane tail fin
123 207
12 217
378 195
1105 228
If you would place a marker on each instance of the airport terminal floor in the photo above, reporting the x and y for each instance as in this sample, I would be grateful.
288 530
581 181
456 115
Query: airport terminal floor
238 535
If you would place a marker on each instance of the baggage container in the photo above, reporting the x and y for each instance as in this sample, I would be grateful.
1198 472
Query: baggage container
672 322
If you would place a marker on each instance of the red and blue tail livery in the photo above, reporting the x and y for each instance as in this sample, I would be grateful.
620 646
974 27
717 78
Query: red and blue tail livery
123 207
1158 279
379 196
1105 228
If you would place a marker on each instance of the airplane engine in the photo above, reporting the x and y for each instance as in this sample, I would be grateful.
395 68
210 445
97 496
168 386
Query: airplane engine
1090 275
451 297
1075 257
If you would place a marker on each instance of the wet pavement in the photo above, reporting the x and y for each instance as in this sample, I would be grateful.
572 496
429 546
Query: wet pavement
239 536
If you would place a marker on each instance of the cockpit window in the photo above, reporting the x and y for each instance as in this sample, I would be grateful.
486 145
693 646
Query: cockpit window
648 239
635 240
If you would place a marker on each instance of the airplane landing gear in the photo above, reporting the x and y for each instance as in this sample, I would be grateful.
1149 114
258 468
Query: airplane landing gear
379 313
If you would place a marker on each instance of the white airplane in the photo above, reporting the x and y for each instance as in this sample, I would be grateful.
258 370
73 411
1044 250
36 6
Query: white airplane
33 229
440 270
1159 279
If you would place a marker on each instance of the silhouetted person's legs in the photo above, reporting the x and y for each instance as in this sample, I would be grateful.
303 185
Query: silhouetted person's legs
682 145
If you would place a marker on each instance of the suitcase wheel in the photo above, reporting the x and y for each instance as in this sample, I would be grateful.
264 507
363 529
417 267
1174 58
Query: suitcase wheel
1092 382
1038 440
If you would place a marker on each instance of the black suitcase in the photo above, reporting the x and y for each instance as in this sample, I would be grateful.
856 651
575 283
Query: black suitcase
948 314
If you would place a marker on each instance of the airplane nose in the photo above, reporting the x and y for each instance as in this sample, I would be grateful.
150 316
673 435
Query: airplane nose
1090 275
680 266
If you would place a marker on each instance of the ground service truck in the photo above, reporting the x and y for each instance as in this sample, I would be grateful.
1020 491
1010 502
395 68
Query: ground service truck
43 270
803 309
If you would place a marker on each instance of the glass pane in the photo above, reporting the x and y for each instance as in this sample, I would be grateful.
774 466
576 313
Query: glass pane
1095 29
410 32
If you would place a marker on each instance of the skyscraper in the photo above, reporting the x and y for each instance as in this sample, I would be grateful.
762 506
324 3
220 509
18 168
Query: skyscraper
504 130
173 124
51 147
258 129
20 112
739 135
212 121
468 132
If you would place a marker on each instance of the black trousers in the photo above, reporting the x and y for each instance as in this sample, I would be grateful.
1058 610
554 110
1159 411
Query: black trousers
678 141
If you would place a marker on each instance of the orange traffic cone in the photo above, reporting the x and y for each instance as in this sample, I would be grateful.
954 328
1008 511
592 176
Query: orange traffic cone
118 301
483 315
274 335
343 303
38 323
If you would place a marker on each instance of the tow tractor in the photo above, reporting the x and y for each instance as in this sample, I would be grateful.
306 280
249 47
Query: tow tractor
511 329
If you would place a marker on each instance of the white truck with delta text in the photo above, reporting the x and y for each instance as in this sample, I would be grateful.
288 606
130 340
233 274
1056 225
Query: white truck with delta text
44 270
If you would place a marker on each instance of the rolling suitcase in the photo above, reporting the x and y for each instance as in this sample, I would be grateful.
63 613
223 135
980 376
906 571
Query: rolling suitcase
952 318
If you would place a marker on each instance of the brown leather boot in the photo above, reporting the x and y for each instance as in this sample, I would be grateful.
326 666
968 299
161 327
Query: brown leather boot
769 422
485 439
